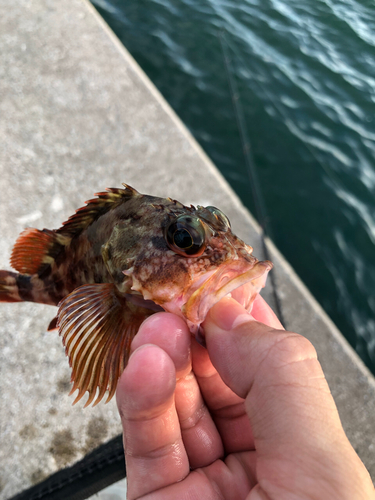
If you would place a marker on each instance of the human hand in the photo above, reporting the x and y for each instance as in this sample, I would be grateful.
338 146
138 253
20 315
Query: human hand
249 417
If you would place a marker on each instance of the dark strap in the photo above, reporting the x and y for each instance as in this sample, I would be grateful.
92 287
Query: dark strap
97 470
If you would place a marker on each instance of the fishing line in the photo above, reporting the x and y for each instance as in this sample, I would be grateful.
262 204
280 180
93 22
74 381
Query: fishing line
260 209
330 174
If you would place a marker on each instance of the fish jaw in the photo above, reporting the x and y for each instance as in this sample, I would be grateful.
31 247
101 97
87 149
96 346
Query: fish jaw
242 279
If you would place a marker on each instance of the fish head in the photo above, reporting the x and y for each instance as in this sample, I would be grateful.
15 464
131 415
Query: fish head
185 259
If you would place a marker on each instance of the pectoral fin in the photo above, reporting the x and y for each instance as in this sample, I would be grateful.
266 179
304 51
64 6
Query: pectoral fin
53 324
97 325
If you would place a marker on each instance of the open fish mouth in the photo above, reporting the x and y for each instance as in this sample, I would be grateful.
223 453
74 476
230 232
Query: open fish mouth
240 278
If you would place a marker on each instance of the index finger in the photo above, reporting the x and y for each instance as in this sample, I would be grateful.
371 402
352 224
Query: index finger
263 313
154 451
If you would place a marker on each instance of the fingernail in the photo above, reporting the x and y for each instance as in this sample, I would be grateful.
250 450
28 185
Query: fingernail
137 350
227 313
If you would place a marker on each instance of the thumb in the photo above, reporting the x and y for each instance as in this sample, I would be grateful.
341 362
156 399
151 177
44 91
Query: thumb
277 373
292 413
238 344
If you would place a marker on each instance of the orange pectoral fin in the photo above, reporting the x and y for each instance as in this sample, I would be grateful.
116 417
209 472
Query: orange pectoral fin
97 325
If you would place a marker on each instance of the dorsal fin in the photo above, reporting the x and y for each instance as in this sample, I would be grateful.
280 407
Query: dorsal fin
35 249
95 208
97 325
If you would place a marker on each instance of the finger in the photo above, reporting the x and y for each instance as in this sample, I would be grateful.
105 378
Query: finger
154 451
262 312
227 408
171 334
199 433
292 413
231 478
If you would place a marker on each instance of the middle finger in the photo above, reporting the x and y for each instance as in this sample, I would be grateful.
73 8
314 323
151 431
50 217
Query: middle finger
201 438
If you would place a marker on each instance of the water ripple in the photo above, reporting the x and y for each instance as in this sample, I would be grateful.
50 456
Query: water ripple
357 17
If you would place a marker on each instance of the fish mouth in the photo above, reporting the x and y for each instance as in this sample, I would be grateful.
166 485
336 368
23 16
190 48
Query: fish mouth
242 279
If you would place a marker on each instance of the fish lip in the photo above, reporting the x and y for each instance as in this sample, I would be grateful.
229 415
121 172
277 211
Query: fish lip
217 286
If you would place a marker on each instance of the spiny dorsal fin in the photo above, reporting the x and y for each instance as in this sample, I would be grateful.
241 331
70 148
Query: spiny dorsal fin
35 249
97 325
95 208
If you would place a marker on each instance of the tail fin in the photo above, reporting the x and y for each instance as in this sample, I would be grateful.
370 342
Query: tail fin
9 291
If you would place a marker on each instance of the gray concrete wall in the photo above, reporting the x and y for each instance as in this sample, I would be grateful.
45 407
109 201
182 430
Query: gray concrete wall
77 115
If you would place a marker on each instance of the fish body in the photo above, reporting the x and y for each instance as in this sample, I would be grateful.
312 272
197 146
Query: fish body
119 259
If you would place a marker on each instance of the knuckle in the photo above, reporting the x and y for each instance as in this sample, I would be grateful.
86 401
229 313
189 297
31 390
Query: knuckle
290 348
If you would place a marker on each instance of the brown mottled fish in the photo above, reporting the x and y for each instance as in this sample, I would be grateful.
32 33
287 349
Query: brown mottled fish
116 261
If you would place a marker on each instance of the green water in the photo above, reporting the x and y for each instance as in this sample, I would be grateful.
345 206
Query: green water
305 72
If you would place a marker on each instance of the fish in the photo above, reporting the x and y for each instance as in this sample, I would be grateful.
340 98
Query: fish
120 258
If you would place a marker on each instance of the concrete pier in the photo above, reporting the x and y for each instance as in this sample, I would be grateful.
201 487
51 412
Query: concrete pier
77 115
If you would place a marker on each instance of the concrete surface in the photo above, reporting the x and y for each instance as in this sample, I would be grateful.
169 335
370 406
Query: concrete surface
116 491
78 115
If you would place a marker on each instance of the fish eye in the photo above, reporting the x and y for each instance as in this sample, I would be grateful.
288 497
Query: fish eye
186 236
220 216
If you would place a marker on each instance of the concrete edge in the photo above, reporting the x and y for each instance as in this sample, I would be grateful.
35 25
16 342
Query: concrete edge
338 336
179 123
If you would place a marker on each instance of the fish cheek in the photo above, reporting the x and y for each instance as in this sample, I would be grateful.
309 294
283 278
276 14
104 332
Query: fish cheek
120 249
162 277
